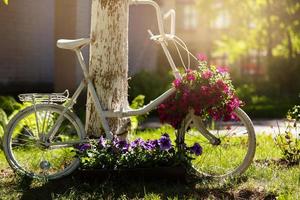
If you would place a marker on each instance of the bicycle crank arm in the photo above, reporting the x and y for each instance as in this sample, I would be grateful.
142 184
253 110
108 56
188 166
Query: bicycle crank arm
59 145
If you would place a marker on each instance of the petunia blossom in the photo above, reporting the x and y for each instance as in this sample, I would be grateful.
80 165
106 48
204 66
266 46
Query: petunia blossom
122 145
164 143
222 69
102 142
207 74
201 57
177 83
84 147
196 149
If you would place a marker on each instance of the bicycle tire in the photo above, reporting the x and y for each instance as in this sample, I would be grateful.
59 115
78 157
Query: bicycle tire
206 164
19 141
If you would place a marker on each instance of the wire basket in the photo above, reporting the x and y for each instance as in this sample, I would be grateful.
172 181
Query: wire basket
45 98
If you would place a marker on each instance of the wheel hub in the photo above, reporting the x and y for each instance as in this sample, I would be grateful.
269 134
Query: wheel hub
45 165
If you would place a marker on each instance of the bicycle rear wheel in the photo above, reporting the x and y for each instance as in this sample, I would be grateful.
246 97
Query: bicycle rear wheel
25 146
232 156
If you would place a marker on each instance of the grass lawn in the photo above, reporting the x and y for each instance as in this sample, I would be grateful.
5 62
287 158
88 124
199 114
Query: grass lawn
267 178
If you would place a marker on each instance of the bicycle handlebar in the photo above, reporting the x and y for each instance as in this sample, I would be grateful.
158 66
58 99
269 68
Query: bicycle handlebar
160 18
171 13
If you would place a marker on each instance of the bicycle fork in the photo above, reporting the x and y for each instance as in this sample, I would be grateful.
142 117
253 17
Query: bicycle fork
198 123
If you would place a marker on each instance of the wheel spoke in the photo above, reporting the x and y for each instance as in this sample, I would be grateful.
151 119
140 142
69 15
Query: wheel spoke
224 159
25 147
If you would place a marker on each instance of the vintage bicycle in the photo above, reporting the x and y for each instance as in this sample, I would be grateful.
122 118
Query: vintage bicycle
39 141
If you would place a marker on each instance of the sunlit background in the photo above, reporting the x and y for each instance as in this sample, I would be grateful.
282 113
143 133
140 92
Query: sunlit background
258 39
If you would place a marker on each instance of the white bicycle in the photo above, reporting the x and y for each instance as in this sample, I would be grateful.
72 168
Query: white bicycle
40 140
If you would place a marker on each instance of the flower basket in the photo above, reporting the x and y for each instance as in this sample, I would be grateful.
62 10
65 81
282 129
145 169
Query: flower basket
208 91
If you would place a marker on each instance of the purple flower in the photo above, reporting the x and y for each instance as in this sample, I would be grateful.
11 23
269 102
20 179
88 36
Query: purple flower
154 143
136 143
164 142
102 142
122 145
84 147
196 149
150 145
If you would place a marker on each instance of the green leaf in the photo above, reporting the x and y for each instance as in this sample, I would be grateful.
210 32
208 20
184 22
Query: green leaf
3 118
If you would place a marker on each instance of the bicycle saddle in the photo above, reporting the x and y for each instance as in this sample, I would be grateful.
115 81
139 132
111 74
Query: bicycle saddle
72 44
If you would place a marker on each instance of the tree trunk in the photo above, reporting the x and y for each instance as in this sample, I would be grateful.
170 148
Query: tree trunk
290 44
108 61
270 34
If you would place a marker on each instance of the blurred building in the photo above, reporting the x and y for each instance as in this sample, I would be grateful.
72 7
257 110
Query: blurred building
30 61
26 45
29 58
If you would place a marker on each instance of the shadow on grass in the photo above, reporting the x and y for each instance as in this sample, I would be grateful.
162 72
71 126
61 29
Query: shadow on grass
106 188
87 186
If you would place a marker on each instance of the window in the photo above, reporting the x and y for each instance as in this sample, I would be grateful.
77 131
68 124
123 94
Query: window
190 17
222 21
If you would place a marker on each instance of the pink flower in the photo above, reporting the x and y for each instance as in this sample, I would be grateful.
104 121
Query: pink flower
162 106
223 86
215 114
222 69
233 104
189 71
191 77
201 57
177 82
204 90
207 74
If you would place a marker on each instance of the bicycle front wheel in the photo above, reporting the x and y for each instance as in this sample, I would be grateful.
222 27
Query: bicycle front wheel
234 151
26 148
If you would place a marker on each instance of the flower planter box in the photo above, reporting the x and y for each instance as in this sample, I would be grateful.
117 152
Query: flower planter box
173 173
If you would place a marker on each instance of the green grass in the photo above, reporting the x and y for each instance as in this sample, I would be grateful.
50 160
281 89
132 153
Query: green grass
266 178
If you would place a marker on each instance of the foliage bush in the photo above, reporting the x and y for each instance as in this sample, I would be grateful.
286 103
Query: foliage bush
3 122
138 102
149 84
294 113
289 141
261 104
284 76
8 108
9 105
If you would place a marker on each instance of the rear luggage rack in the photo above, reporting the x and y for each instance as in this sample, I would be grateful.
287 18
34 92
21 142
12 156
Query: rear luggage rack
44 97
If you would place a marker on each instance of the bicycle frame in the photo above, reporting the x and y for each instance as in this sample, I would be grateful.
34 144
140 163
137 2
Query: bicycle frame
86 82
48 164
127 112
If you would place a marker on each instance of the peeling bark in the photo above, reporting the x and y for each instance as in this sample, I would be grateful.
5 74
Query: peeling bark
108 61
